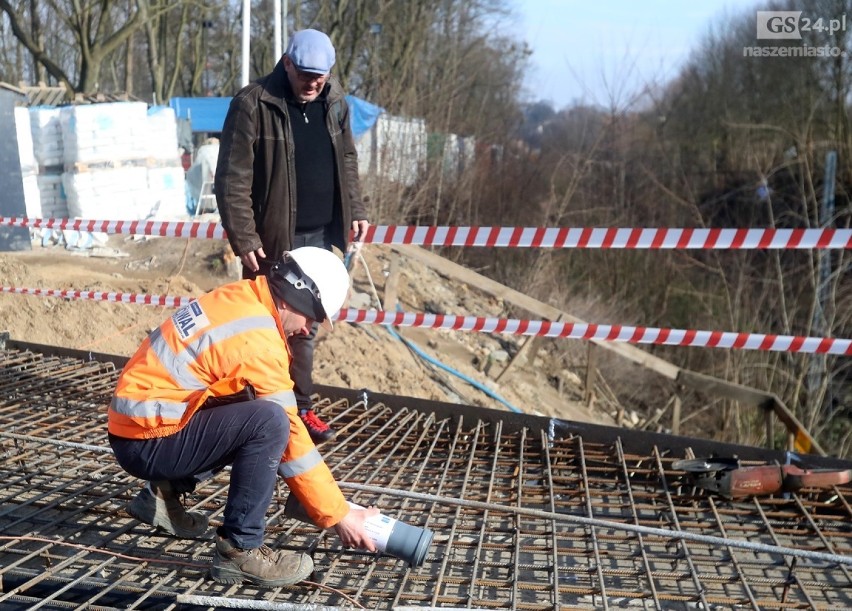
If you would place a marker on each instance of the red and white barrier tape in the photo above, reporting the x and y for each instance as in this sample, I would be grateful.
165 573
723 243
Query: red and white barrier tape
506 237
626 238
544 328
172 229
161 300
611 333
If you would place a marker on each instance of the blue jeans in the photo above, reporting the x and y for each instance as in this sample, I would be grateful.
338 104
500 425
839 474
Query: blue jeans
249 436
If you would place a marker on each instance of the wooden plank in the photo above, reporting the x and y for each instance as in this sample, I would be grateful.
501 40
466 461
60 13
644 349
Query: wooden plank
676 409
392 284
770 436
591 375
535 307
720 388
522 355
800 438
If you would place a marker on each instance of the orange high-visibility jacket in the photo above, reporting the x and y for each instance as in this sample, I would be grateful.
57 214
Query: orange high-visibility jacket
213 347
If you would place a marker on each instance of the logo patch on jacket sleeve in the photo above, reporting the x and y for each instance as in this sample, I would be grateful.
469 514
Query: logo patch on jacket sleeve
189 320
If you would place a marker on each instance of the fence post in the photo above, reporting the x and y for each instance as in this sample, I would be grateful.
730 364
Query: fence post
768 414
591 370
392 284
678 403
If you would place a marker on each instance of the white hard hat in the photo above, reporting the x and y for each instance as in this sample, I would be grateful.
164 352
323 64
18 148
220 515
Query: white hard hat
313 281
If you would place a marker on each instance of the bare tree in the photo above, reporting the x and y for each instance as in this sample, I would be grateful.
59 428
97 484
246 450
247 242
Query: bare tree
98 29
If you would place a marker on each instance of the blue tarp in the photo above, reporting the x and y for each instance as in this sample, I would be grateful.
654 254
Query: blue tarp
208 114
204 114
362 115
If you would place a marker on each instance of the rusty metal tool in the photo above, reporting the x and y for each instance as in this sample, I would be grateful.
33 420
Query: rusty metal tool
726 477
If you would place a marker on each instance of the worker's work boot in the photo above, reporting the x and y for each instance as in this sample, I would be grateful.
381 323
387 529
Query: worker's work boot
161 507
318 429
260 566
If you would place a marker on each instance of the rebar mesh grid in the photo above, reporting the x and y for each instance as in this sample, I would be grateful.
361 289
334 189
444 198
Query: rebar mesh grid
521 520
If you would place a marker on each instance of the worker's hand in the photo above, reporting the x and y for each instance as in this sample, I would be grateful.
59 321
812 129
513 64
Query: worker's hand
359 228
250 259
351 529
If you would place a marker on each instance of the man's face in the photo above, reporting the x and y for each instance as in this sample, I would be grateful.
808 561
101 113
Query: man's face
306 85
294 323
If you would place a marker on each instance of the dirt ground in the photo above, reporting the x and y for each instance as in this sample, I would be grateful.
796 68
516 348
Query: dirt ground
449 366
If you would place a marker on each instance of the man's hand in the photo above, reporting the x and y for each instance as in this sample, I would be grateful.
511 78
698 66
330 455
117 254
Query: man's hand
359 228
250 259
351 529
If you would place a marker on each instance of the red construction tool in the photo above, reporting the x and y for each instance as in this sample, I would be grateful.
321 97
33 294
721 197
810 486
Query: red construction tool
725 476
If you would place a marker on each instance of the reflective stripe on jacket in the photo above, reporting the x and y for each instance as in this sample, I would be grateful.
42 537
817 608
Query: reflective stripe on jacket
214 347
211 347
307 476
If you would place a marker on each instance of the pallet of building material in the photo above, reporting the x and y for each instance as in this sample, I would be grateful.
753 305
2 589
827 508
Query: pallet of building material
161 140
80 167
108 193
167 189
108 133
47 137
54 204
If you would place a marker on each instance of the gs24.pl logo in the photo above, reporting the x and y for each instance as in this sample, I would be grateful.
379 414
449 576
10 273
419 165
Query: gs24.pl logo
789 25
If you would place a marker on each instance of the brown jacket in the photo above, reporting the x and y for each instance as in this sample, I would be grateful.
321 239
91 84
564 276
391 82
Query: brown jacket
255 177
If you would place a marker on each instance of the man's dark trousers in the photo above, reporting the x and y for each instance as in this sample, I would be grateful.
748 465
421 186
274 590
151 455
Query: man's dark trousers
302 346
250 436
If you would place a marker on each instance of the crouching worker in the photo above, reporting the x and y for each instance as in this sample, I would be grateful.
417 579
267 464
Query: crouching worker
209 388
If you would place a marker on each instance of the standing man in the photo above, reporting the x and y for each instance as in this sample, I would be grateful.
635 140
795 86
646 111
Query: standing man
210 388
287 177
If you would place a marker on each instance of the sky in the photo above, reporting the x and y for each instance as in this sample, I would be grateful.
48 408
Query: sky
600 51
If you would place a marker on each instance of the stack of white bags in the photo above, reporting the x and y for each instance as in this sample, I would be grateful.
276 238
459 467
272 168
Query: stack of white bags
108 161
47 146
29 165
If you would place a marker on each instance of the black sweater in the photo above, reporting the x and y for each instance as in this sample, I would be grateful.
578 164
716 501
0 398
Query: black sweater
315 183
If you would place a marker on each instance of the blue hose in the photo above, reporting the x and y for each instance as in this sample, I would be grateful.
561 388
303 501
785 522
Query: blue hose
348 261
448 369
